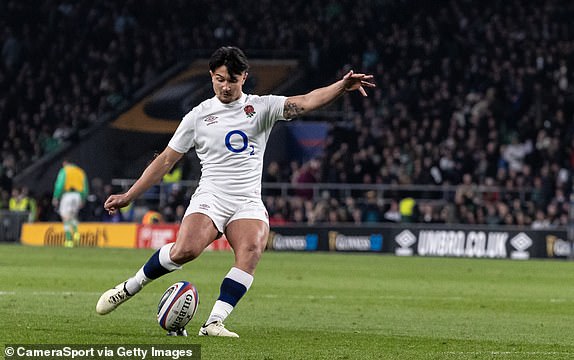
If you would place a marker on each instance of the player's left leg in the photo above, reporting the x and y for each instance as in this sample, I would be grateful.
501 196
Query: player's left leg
248 238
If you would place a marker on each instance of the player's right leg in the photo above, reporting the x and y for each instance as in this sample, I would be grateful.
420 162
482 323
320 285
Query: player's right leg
196 232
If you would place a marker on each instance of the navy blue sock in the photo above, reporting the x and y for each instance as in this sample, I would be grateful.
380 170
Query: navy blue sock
231 291
233 287
158 265
153 269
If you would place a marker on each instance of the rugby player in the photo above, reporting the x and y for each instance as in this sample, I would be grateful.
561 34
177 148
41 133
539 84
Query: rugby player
229 133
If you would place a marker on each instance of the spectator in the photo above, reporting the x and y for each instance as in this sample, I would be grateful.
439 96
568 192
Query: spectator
21 201
540 222
152 216
407 209
372 211
515 153
393 214
305 177
272 175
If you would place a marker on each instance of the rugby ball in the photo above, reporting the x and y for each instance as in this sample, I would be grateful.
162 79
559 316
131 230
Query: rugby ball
177 306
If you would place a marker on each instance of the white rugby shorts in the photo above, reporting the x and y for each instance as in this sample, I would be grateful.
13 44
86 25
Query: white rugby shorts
70 205
224 209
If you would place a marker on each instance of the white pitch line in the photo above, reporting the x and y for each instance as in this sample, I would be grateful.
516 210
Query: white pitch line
409 297
470 298
418 298
49 293
310 297
504 353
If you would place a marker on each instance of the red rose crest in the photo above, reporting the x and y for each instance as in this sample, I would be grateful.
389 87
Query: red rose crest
249 110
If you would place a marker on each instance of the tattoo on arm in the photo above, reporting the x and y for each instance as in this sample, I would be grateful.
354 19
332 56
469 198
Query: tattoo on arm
292 110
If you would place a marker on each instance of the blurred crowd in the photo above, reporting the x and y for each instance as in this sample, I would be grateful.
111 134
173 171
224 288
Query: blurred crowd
473 95
470 94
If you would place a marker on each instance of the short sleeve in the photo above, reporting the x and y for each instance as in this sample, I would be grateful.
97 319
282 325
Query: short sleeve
184 137
275 108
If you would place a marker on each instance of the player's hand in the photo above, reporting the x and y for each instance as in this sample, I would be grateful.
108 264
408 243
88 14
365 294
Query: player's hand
115 202
352 82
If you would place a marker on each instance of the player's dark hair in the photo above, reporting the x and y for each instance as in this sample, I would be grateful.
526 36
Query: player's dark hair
230 56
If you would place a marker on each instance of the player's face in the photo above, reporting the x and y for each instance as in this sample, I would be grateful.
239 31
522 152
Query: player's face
227 88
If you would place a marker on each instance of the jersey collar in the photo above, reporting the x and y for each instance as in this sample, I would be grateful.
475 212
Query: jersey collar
241 100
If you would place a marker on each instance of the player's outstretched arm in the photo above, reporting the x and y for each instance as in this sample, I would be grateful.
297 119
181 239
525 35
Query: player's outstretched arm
152 175
302 104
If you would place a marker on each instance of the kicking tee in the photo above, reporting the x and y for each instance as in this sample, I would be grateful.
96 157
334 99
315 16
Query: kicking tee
230 141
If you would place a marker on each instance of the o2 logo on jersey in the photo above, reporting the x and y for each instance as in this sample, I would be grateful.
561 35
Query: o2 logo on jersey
244 142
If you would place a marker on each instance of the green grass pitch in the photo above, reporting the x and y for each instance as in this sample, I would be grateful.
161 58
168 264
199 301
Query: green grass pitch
303 305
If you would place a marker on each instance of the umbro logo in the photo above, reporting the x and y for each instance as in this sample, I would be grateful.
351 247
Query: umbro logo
211 119
405 240
521 243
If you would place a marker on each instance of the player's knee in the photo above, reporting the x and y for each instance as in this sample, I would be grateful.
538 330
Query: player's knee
181 254
247 257
253 249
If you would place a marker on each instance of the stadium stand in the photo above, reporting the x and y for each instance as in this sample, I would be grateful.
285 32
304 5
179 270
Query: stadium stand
470 95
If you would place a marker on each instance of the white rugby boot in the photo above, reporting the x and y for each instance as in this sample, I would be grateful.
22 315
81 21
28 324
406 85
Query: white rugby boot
216 328
112 298
180 332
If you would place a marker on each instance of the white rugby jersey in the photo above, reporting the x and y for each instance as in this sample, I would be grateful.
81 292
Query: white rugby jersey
230 141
